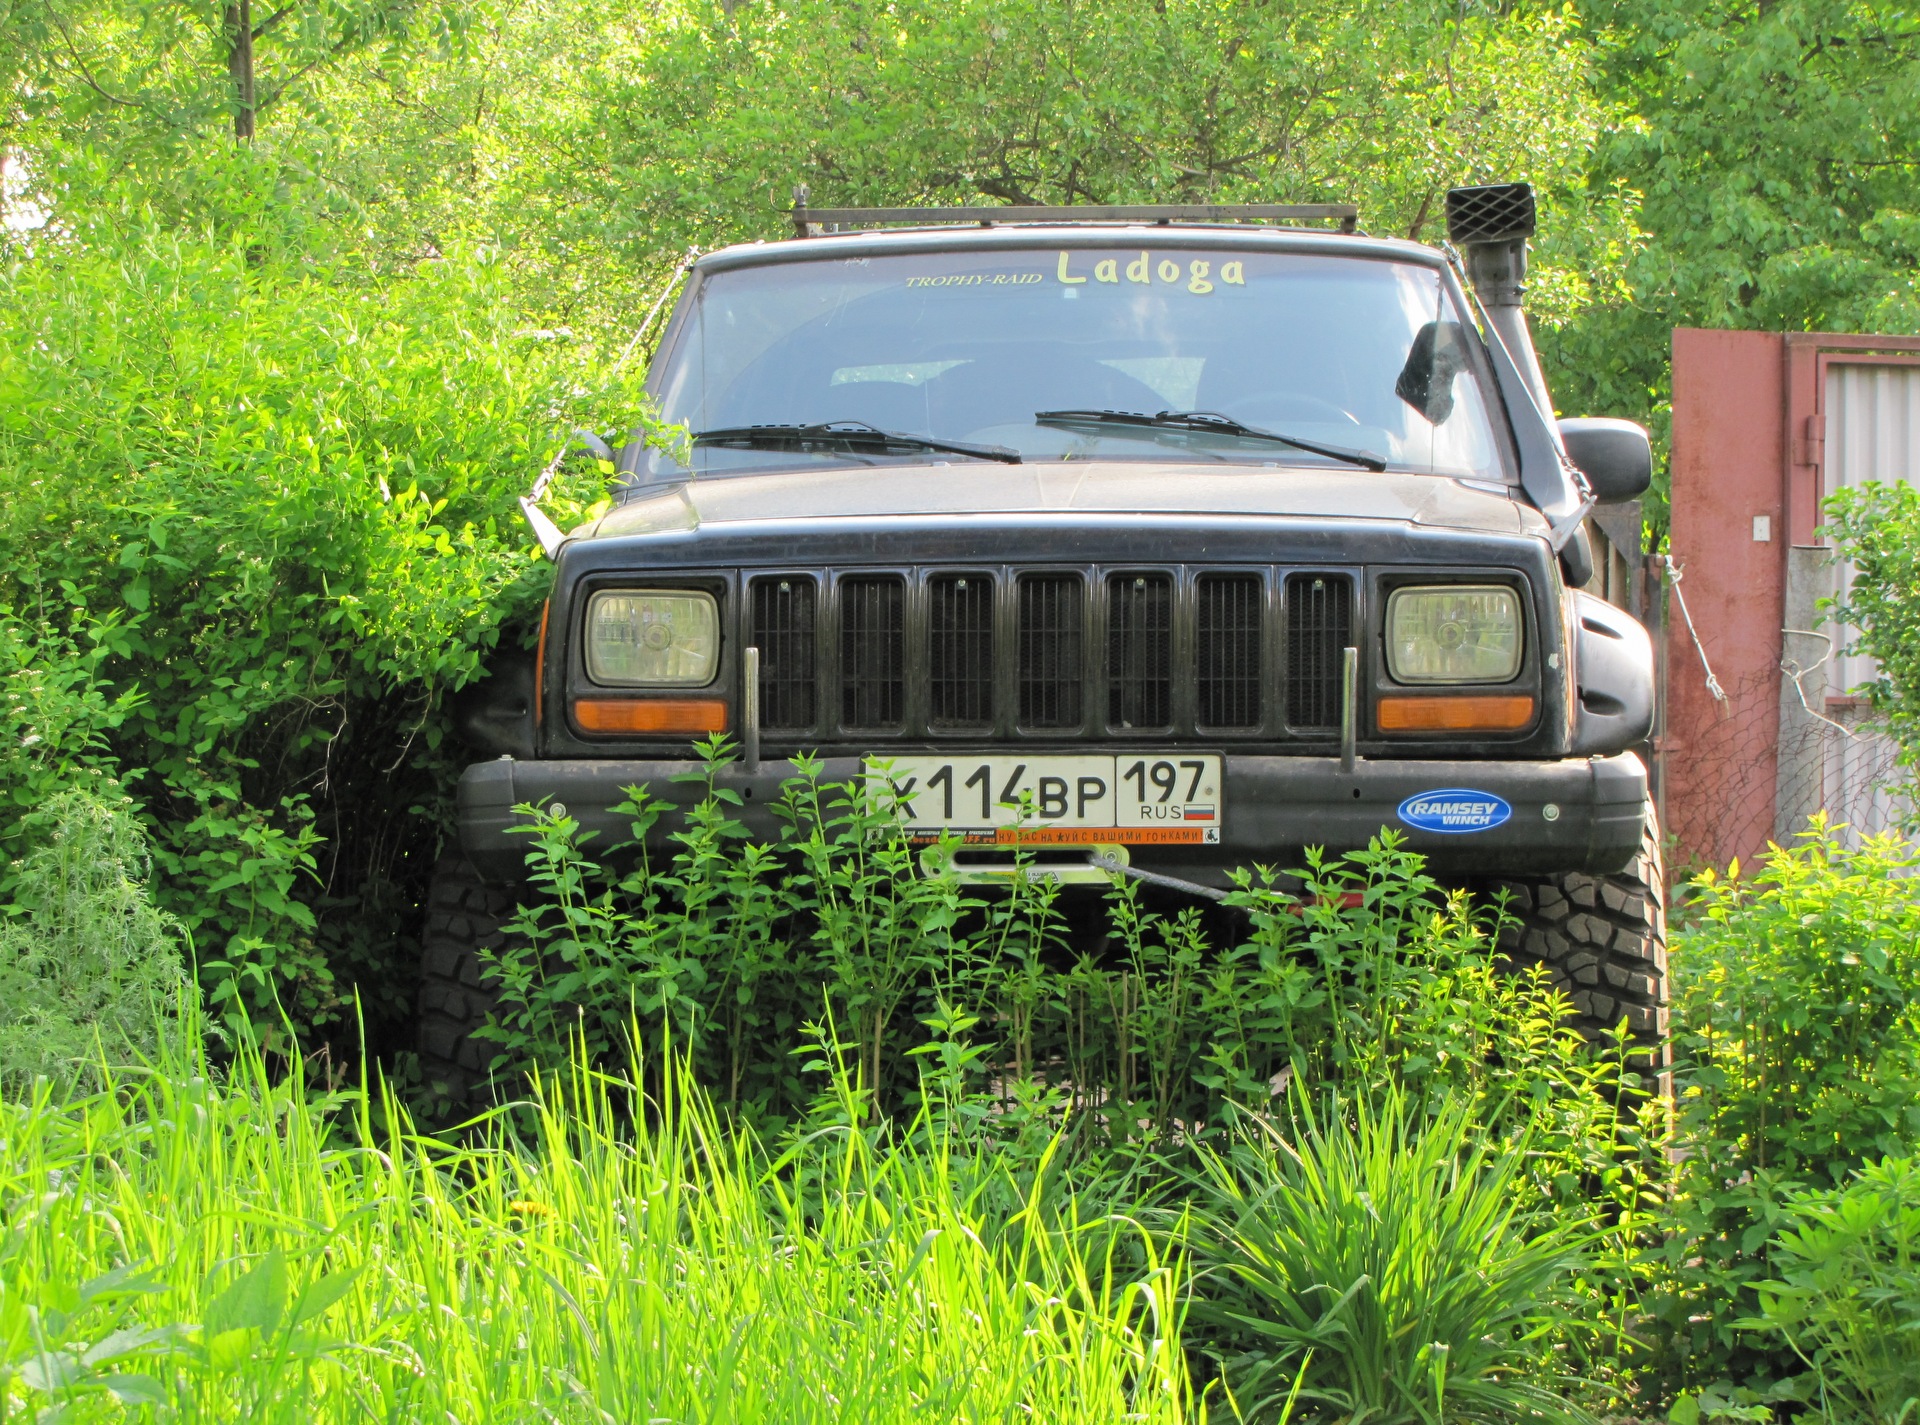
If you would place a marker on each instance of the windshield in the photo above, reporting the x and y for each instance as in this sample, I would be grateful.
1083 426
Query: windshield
1356 355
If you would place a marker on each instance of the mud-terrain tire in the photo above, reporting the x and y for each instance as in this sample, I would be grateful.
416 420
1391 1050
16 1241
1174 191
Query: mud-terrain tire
466 914
1603 939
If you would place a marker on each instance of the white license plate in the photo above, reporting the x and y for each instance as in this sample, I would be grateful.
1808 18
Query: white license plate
1135 797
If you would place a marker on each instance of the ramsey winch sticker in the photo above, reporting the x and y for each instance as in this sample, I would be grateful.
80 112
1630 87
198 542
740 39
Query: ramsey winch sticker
1455 809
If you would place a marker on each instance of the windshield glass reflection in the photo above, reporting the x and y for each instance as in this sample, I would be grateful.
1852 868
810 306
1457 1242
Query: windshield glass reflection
968 346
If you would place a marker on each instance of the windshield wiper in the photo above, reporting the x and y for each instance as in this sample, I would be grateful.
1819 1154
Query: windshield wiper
1207 423
847 435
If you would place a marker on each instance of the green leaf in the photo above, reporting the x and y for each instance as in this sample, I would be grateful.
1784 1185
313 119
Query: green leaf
323 1294
136 1389
256 1301
227 1350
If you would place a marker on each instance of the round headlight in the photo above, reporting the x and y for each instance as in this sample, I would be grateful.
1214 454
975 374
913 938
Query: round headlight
1463 633
650 638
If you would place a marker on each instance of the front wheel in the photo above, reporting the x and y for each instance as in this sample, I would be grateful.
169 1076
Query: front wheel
1603 940
466 915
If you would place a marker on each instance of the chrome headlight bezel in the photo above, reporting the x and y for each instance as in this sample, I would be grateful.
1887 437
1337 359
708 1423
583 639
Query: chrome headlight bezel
689 656
1491 642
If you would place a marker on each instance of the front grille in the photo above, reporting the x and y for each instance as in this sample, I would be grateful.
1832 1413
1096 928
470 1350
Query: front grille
1228 645
873 652
1117 657
1139 651
1051 620
1319 629
960 652
782 629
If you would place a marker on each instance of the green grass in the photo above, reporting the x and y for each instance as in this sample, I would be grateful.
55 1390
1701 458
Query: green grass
225 1246
1392 1264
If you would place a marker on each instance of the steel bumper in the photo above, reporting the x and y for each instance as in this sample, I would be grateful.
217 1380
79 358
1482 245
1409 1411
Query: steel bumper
1574 814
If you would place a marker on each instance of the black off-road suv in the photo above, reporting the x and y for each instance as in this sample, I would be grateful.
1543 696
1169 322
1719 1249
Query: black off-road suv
1192 538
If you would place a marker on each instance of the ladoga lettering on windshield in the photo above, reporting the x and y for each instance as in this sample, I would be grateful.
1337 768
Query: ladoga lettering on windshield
1197 275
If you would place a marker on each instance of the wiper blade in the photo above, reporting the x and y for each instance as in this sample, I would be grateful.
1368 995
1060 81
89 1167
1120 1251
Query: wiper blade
1208 423
847 435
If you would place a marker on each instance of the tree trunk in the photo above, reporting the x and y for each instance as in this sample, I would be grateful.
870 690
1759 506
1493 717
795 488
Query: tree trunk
239 27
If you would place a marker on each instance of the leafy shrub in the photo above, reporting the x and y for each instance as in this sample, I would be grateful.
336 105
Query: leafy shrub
56 714
1848 1296
1385 1264
266 502
1876 527
733 949
1798 1046
90 972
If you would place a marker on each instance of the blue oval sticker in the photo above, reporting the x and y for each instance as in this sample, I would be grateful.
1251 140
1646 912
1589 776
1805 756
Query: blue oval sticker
1454 810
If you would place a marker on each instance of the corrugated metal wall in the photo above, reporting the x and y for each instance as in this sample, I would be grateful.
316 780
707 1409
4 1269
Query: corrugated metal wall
1872 428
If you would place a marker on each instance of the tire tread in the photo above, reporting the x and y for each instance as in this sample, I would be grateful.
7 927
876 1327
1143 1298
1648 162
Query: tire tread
465 915
1603 941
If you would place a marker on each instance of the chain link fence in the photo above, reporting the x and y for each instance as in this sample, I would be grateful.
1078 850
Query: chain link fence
1751 760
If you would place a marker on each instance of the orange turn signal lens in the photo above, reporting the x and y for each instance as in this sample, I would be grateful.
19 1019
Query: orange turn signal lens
651 715
1506 713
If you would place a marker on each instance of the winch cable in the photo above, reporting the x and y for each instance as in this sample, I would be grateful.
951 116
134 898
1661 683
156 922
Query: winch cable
1114 866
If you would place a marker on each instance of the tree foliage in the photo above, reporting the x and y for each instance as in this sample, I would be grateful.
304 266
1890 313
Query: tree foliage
696 130
1770 146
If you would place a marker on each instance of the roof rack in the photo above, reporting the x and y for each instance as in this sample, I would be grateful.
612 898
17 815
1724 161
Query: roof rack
813 222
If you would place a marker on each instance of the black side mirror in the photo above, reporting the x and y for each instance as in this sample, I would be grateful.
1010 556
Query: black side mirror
1616 456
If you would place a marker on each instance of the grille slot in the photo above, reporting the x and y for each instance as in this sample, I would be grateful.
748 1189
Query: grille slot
1052 617
873 653
1139 651
1229 651
783 630
1319 628
960 652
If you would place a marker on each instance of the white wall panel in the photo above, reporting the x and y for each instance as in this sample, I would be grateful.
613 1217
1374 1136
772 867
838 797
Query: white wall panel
1872 433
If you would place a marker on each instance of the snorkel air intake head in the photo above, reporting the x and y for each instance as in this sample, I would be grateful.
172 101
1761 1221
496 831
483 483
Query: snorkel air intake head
1490 225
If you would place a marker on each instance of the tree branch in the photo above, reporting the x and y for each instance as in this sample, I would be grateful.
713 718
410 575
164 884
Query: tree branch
81 65
274 19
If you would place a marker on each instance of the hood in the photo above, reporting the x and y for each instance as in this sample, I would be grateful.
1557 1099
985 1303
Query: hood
1066 489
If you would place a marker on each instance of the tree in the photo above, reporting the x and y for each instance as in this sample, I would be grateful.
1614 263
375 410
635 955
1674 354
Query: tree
1771 147
138 76
692 123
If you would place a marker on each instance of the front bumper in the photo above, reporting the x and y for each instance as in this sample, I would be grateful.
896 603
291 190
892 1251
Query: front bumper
1574 814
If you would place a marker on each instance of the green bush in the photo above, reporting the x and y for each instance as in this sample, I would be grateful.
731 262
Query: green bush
1847 1299
266 501
1385 1263
56 715
1797 1006
1360 975
1876 528
90 973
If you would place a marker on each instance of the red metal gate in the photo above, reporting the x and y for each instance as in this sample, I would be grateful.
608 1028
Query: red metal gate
1760 729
